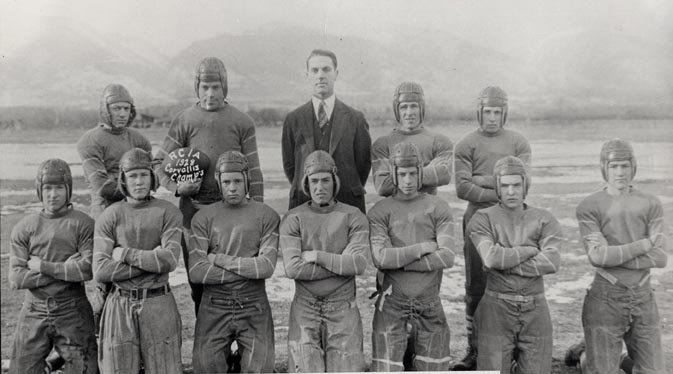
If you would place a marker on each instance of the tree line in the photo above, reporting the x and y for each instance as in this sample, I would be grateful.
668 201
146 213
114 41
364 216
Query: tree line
45 118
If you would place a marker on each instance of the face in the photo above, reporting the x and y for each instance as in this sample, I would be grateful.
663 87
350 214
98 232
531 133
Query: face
321 186
620 174
138 183
211 95
322 74
54 197
410 115
233 187
511 191
407 180
119 113
491 119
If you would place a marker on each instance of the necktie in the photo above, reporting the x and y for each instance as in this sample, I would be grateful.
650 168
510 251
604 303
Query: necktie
322 115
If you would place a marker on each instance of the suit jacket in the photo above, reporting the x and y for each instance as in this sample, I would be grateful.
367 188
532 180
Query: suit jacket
350 146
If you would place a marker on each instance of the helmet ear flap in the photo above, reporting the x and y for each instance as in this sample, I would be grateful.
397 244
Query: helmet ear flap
155 181
121 183
420 177
132 115
304 186
337 184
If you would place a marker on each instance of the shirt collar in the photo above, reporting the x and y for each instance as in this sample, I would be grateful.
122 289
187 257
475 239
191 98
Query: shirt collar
329 105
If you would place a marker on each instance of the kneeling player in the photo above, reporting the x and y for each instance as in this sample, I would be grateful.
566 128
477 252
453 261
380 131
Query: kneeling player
324 243
233 248
137 244
411 240
623 233
518 244
50 256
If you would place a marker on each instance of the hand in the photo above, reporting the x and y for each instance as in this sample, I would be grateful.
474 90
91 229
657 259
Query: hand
189 188
428 247
76 257
483 181
310 256
97 297
34 263
597 238
117 254
211 257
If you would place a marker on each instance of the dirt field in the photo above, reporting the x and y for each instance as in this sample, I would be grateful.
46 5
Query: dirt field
565 171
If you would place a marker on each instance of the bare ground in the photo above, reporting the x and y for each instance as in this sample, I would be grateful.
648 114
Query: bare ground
565 290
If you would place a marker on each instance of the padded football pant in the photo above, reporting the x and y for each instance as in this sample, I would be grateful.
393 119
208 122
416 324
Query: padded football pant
514 328
325 333
613 314
65 323
398 318
225 316
475 278
137 329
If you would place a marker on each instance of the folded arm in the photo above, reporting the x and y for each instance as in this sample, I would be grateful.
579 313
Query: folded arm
352 261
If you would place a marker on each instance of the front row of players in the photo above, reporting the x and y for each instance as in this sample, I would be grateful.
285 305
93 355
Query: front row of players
325 244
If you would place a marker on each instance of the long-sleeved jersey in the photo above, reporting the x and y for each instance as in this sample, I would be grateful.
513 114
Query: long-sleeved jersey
243 238
338 232
214 133
476 155
436 150
517 248
100 149
398 229
149 231
63 241
633 226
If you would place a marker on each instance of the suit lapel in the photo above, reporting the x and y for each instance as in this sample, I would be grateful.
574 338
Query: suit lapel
307 126
339 125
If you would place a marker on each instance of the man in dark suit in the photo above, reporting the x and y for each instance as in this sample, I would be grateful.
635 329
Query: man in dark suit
325 123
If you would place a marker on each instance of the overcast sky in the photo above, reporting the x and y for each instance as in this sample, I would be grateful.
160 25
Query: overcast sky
508 26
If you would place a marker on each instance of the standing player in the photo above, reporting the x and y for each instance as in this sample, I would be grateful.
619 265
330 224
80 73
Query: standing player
411 240
101 147
213 127
324 243
436 150
234 246
327 124
623 233
476 155
136 245
50 256
518 245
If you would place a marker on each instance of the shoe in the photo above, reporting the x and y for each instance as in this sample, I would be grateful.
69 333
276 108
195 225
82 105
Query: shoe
626 363
572 357
234 362
468 363
54 362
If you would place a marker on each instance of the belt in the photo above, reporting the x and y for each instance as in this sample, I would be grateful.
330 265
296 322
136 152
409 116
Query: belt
143 293
511 297
614 281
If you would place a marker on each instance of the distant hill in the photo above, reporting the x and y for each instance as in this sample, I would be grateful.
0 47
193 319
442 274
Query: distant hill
68 65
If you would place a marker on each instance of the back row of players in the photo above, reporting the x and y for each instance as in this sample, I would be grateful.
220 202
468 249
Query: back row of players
230 240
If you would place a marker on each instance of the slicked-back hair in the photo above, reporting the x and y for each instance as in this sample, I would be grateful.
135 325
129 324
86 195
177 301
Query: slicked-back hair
322 52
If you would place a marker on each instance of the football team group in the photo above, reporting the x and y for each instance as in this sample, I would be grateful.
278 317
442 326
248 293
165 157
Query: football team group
230 240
